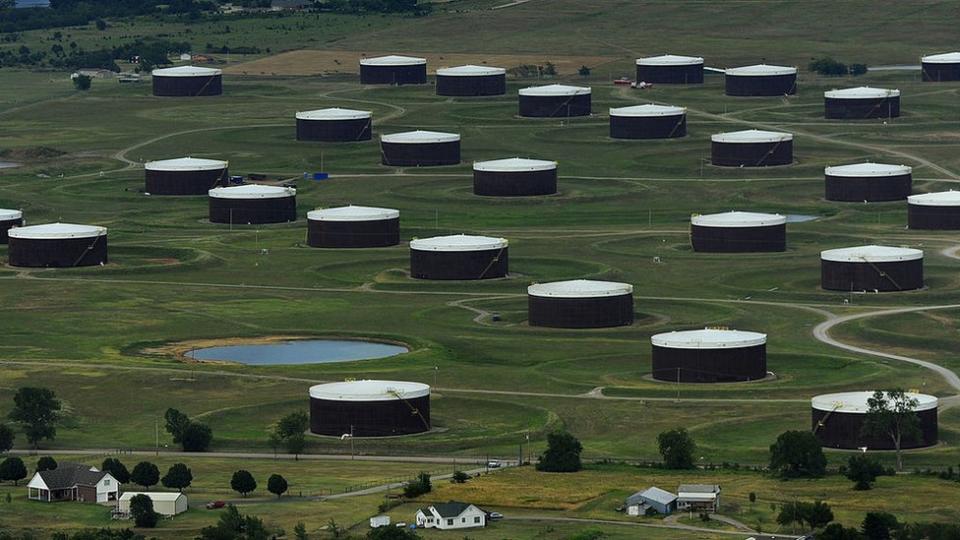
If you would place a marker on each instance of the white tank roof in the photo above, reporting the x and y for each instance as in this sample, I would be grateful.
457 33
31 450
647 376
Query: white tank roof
856 402
669 60
648 110
7 214
333 113
57 231
458 242
353 213
942 58
738 219
393 60
579 288
940 198
871 254
751 136
708 338
862 92
470 71
369 390
252 191
867 170
761 70
514 165
185 164
555 90
186 71
420 137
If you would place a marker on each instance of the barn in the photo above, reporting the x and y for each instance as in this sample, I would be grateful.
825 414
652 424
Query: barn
580 303
252 204
751 148
186 81
334 125
670 69
369 408
460 256
738 232
554 101
709 356
648 122
761 80
837 420
871 268
393 69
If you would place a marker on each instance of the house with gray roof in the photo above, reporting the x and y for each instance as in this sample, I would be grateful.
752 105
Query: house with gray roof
653 498
73 482
451 515
698 498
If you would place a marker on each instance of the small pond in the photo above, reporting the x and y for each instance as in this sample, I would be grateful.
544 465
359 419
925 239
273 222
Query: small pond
315 351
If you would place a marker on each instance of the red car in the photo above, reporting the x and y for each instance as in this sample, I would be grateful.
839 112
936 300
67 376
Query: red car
213 505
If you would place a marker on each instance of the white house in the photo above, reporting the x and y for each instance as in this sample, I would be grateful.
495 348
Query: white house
73 482
165 503
451 515
698 498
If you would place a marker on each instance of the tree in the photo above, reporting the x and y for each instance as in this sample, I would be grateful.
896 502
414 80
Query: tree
797 454
892 414
677 448
82 82
549 69
37 411
562 455
7 437
392 533
836 531
277 485
879 525
101 24
46 463
175 423
13 469
828 66
235 526
116 469
178 477
418 486
817 514
584 71
459 477
196 437
141 509
145 474
858 69
863 470
290 429
300 531
243 482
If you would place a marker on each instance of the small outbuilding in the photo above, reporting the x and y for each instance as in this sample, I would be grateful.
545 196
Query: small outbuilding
334 125
761 80
751 148
941 67
393 69
555 101
871 268
353 227
57 245
451 515
167 504
460 256
933 211
738 232
670 69
648 122
187 81
514 177
8 220
580 303
369 408
470 81
700 498
837 420
253 204
861 103
709 356
420 149
867 182
652 499
184 176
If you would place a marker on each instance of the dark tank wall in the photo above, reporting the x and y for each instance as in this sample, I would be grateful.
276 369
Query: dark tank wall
57 253
868 188
514 184
648 127
483 264
739 239
864 276
352 130
6 225
940 72
766 85
689 74
415 74
370 418
710 365
184 182
944 218
859 109
253 211
353 234
420 155
764 154
206 85
838 429
555 106
480 85
598 312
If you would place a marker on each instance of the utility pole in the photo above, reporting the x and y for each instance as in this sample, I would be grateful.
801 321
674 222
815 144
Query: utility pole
351 442
156 431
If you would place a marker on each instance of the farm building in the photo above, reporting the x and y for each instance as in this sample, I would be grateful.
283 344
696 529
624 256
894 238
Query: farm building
57 245
353 227
253 204
184 81
467 81
862 102
871 268
738 232
761 80
652 499
580 303
458 257
670 69
555 101
940 67
393 69
73 482
167 504
698 498
751 148
934 211
334 125
515 177
837 420
451 515
184 176
8 220
369 408
420 149
709 355
648 122
867 182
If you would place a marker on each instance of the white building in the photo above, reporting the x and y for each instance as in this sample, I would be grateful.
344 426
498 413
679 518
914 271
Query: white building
73 482
451 515
698 498
167 504
382 520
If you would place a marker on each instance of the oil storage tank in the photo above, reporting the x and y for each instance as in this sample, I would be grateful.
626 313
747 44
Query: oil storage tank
393 69
861 103
580 303
469 80
420 149
253 204
186 81
710 355
514 177
940 67
184 176
368 408
353 227
933 211
554 101
751 148
871 268
738 232
648 122
57 245
8 220
837 420
867 182
761 80
461 256
334 125
670 69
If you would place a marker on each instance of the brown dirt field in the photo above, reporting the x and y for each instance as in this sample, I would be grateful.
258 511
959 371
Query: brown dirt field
310 62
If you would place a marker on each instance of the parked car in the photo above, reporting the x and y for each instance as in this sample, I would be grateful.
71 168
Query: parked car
495 515
213 505
493 464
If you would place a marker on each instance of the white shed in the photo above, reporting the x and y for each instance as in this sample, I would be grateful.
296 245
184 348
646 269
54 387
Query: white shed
379 521
167 504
